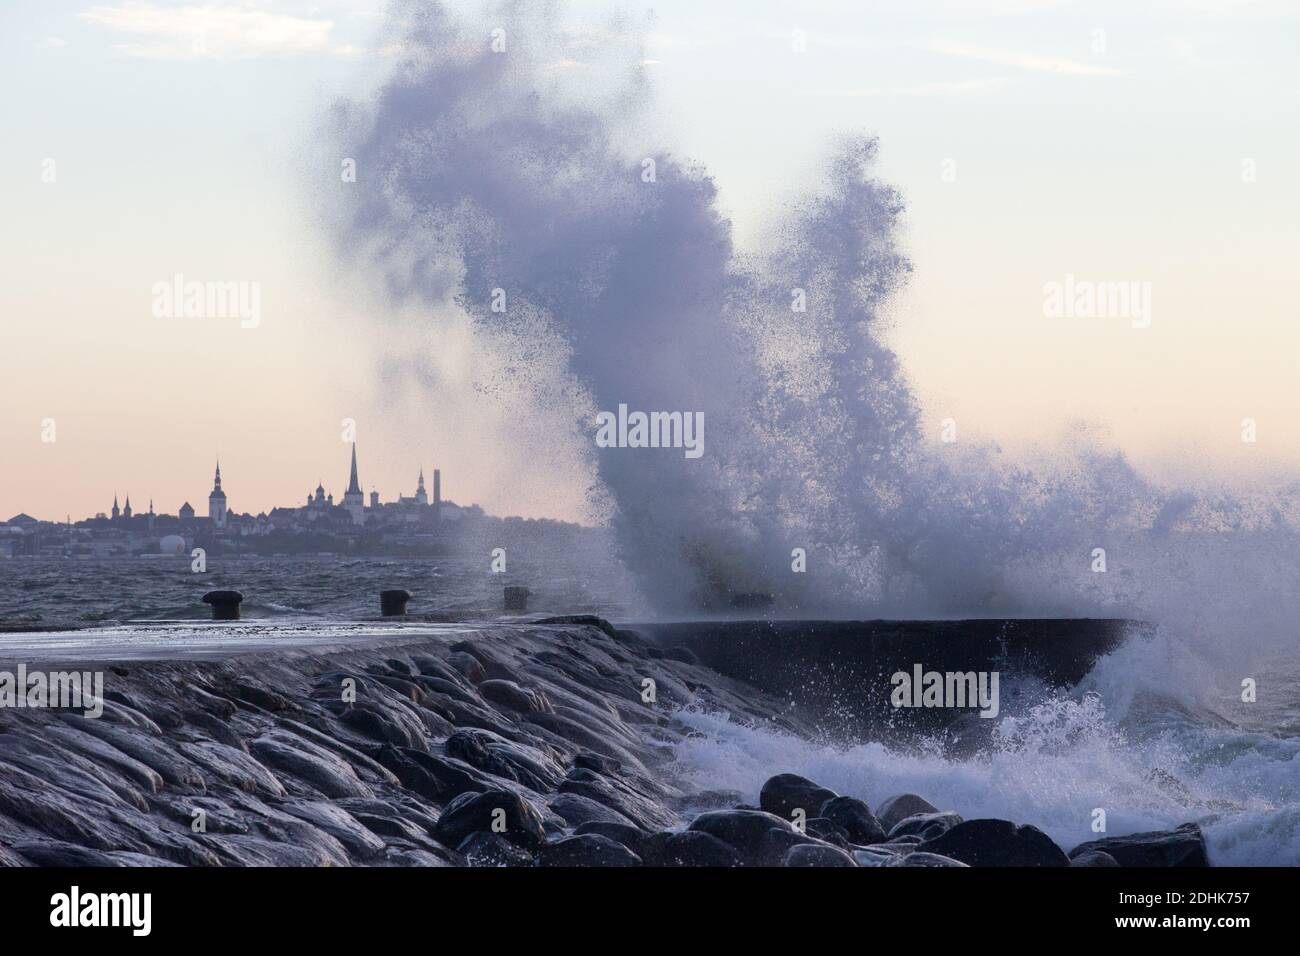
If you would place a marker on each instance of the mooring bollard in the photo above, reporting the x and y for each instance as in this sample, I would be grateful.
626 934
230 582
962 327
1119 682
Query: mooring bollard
392 603
517 598
225 604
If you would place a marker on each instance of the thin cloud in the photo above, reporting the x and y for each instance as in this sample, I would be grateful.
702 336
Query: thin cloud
951 88
198 31
1034 62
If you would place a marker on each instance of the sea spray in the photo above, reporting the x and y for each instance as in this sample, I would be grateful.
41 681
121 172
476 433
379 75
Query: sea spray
494 192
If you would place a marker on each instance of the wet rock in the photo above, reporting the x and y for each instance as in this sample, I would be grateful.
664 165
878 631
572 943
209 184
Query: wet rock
148 750
589 849
509 694
759 838
924 859
453 776
895 809
597 763
412 775
490 849
688 848
855 817
826 829
996 843
577 810
492 753
812 854
787 792
1093 858
314 766
338 823
70 771
58 853
104 755
468 665
261 697
618 795
293 730
234 767
1182 846
708 800
925 825
872 856
775 845
488 812
738 828
375 723
634 838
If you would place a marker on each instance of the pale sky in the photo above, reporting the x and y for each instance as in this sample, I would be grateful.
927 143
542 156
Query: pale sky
1152 142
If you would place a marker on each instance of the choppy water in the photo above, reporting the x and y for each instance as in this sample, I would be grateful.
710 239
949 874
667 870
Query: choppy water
66 591
1122 741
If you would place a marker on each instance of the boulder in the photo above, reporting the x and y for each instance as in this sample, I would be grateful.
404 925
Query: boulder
587 849
900 807
1182 846
923 859
469 666
996 843
491 849
855 818
826 829
1093 858
689 848
813 854
755 835
488 812
577 810
507 693
925 825
787 792
631 837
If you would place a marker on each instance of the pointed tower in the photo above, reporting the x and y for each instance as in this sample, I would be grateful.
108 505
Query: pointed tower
354 499
421 496
117 512
217 501
354 495
126 512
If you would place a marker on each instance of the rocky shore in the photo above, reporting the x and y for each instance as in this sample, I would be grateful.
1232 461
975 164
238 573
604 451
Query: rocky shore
546 743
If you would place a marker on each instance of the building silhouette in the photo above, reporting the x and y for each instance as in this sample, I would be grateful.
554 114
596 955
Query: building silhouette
217 508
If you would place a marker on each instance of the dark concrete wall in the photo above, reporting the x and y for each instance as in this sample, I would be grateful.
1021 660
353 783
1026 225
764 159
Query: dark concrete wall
840 670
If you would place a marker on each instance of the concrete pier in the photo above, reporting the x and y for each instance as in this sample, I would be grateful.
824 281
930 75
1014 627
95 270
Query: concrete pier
842 669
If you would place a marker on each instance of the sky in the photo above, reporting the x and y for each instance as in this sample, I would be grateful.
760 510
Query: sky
1153 143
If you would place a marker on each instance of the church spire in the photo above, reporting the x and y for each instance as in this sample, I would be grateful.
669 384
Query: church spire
354 486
